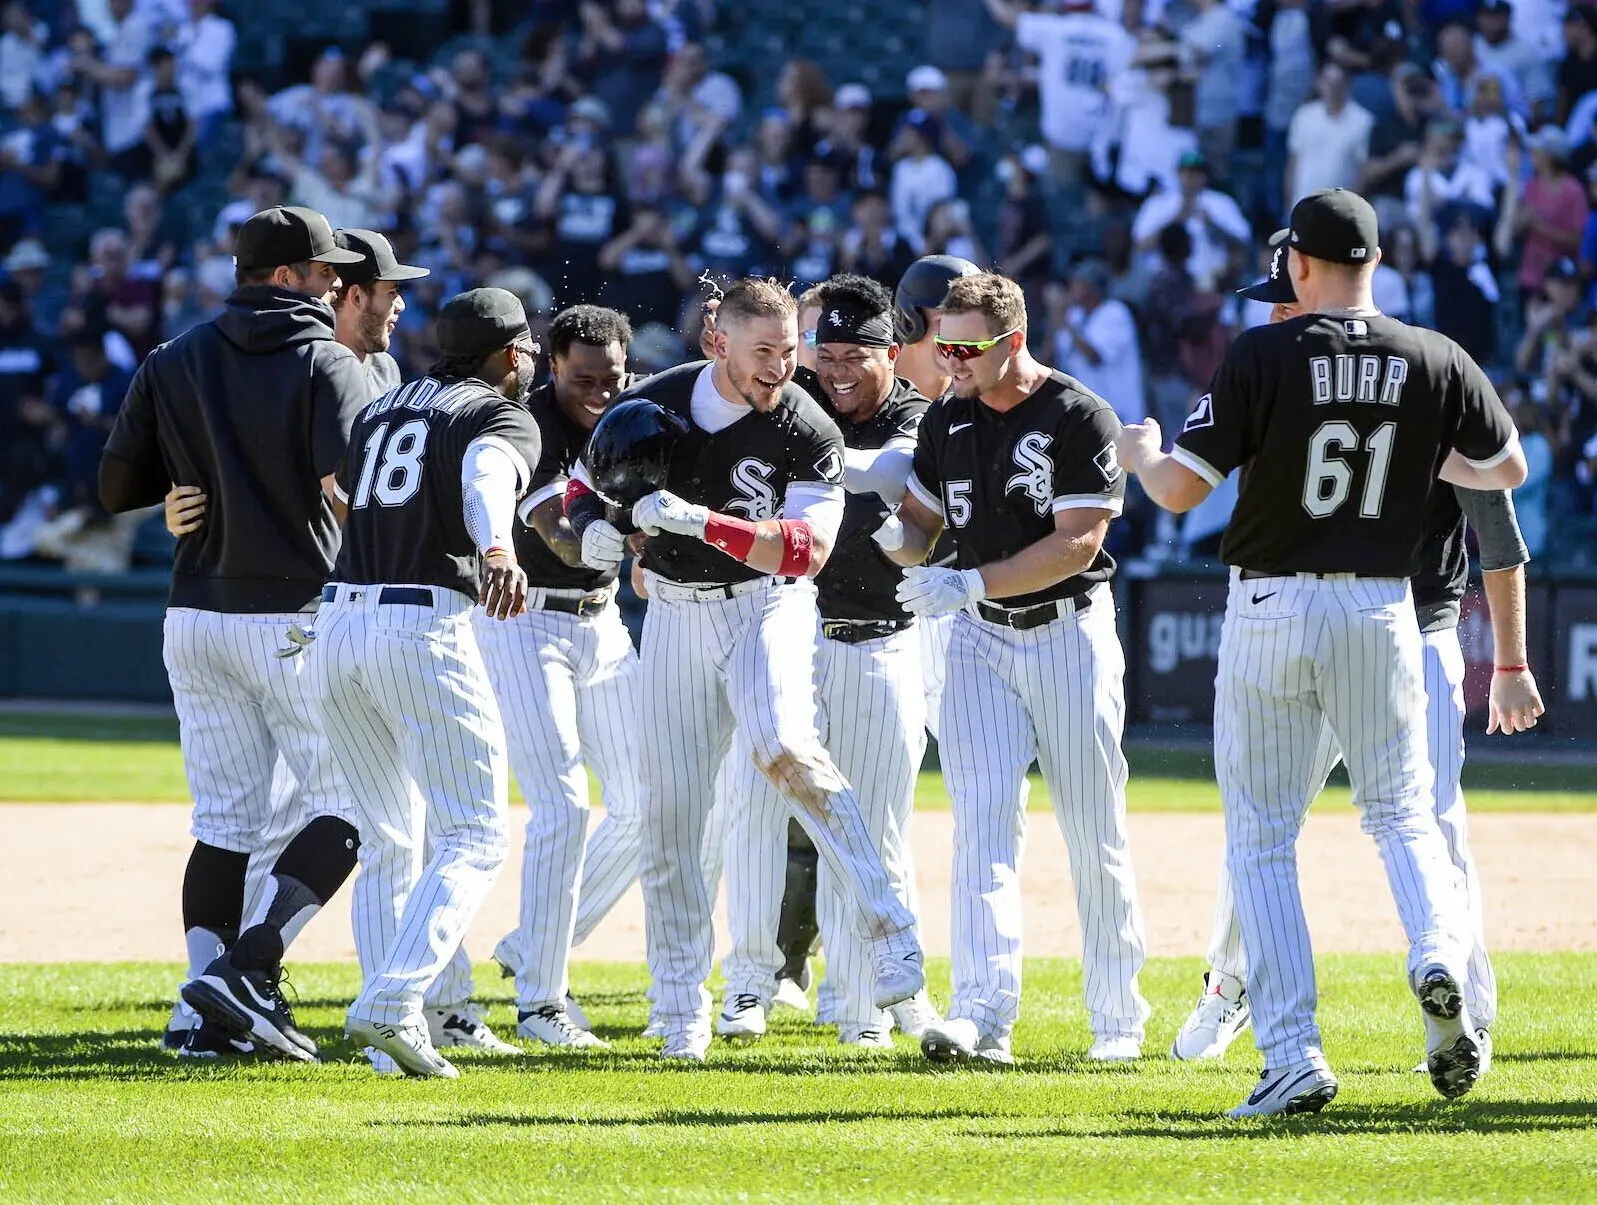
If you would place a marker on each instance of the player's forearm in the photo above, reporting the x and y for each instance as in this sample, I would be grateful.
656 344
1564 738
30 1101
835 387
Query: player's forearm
1172 485
919 536
1046 563
1505 599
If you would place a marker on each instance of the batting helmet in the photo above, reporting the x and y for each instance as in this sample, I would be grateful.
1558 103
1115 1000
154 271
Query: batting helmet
629 452
923 287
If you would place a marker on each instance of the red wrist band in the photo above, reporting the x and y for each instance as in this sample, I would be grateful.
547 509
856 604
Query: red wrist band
733 536
798 547
575 491
1510 669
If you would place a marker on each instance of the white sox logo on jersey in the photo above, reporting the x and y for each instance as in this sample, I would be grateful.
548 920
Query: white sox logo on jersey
752 480
1036 480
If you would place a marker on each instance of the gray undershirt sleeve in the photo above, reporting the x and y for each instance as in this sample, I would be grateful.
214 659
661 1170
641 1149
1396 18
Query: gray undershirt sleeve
1491 514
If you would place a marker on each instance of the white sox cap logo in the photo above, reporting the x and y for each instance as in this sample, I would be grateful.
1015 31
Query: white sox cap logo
835 317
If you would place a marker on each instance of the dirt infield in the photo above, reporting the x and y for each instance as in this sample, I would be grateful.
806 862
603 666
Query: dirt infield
117 899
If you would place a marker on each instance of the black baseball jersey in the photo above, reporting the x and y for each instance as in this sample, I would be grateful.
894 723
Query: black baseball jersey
563 441
742 470
998 479
1339 426
859 580
401 482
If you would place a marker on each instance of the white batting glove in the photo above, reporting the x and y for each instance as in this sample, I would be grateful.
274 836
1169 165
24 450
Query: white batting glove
927 590
602 546
664 511
1137 444
889 536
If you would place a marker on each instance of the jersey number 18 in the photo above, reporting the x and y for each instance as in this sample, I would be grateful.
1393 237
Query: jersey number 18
1329 479
391 467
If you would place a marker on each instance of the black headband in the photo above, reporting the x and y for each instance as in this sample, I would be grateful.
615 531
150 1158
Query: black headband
842 324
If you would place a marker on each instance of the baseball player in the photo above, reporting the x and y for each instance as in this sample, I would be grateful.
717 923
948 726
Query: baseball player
751 512
1019 462
366 304
1341 421
430 486
254 407
1514 706
868 679
566 677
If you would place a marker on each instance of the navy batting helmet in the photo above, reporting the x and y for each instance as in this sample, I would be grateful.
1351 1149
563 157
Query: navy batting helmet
629 452
923 287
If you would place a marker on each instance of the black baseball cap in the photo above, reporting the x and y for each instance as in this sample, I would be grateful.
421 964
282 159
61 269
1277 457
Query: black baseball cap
480 321
1336 225
288 234
1276 288
377 260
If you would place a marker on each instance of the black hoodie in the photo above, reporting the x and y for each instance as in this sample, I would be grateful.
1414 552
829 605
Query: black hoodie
254 407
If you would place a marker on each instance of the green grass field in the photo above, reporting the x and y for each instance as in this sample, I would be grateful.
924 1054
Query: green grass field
112 758
91 1110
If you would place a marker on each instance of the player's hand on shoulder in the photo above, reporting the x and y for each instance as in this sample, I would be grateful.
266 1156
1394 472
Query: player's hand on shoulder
1514 704
603 546
504 586
1137 443
184 509
930 590
664 511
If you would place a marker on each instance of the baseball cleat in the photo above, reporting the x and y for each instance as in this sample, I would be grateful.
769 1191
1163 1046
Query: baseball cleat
687 1043
208 1040
1222 1012
1452 1050
505 954
574 1011
900 969
951 1041
381 1063
552 1025
742 1019
654 1029
915 1015
866 1037
1305 1087
995 1050
1483 1039
465 1027
1115 1050
790 995
407 1043
249 1004
184 1019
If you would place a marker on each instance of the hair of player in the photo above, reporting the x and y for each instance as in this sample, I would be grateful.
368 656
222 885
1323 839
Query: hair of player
810 298
594 325
263 276
995 297
446 370
756 297
855 292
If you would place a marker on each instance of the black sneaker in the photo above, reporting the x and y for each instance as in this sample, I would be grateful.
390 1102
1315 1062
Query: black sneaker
250 1005
208 1040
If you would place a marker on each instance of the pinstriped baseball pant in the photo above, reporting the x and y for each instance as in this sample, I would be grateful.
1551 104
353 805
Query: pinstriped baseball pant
1054 693
1311 653
406 702
1444 699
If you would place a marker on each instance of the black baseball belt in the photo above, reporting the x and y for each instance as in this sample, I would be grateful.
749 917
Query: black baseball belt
1023 618
1254 575
858 631
391 596
585 606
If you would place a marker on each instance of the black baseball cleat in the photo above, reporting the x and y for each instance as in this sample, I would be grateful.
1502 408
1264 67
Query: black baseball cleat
249 1005
207 1040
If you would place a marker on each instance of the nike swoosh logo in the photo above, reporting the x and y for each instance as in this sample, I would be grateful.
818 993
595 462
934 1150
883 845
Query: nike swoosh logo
266 1005
1265 1089
1259 598
957 428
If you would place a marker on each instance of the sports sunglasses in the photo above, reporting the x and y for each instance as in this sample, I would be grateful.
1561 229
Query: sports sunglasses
968 349
810 337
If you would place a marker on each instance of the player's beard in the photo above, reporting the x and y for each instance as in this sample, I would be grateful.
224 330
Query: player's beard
758 394
374 332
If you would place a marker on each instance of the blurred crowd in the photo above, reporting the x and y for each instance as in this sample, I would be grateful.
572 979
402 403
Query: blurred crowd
1125 160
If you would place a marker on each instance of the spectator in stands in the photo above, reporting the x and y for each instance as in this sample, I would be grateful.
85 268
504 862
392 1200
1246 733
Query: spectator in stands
803 92
22 53
116 70
27 265
927 89
205 45
1291 80
468 86
118 302
1328 141
1458 70
1397 142
693 96
420 158
1488 127
1096 342
1025 241
646 272
621 54
959 38
166 153
1213 220
1553 315
847 137
815 223
776 180
1548 216
29 171
949 231
1139 147
88 396
871 246
1446 175
151 242
1577 73
738 228
921 177
1498 50
348 196
1531 498
580 203
78 149
1213 46
1169 309
323 110
26 418
1466 293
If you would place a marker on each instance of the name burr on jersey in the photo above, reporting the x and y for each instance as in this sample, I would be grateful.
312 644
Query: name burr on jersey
744 469
1339 427
401 482
998 479
563 441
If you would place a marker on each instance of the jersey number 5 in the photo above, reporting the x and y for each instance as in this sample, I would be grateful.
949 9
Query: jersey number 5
391 466
958 499
1329 478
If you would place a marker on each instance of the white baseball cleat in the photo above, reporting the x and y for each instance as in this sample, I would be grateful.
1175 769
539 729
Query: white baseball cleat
654 1029
381 1063
1452 1049
866 1037
1115 1050
408 1044
1305 1087
1221 1013
505 954
951 1041
465 1026
578 1017
790 995
552 1025
995 1050
900 969
915 1015
688 1043
742 1019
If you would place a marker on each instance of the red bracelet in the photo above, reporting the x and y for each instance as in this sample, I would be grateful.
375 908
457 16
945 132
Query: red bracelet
495 550
1510 669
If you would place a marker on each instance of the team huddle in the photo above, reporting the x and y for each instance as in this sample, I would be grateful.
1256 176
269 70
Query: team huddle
861 517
